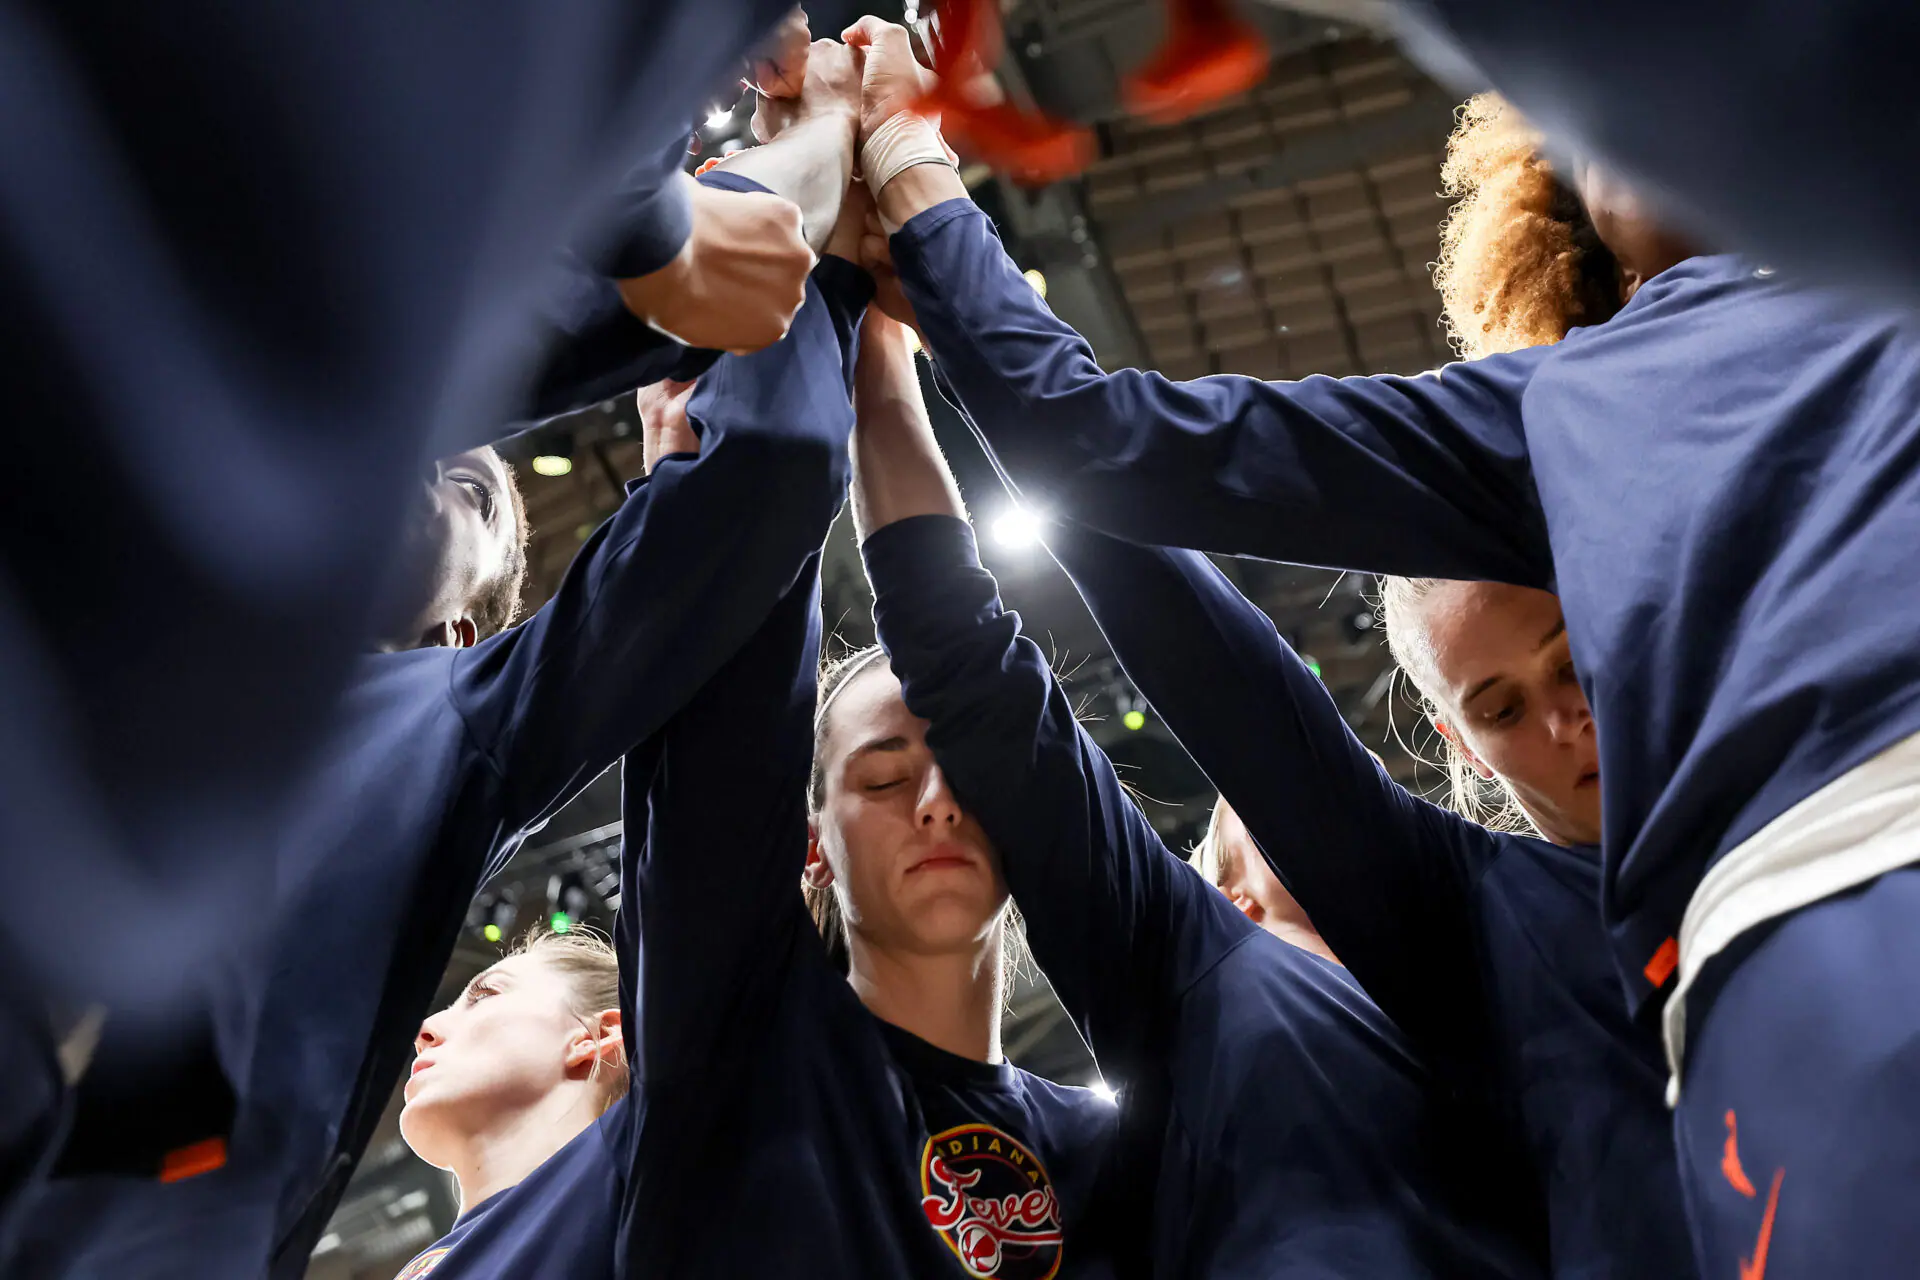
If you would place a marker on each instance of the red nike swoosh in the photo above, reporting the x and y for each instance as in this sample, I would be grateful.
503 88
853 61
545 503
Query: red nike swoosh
1755 1268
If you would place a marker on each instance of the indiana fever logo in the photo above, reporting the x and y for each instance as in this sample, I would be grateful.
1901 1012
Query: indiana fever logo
422 1264
992 1203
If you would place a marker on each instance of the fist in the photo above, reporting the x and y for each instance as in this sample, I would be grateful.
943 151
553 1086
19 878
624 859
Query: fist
738 280
780 67
831 87
891 79
664 429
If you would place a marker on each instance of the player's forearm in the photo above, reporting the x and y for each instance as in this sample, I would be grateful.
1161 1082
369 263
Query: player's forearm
810 163
898 469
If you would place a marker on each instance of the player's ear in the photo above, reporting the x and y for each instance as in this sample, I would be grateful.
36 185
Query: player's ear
459 633
1459 744
818 873
600 1042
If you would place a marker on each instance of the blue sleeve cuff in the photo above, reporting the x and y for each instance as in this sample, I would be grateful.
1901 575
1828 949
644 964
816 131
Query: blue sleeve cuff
691 362
721 180
906 555
654 223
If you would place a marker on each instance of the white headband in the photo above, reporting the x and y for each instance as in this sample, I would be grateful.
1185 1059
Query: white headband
846 675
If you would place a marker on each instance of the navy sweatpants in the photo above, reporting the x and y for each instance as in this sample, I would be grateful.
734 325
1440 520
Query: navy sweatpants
1799 1118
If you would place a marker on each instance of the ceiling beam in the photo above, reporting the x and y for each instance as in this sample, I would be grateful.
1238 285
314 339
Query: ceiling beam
1425 117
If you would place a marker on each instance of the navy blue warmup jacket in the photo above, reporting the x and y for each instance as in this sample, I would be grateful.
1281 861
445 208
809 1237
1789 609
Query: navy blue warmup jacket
260 266
447 759
790 1132
1711 481
1300 1134
1485 948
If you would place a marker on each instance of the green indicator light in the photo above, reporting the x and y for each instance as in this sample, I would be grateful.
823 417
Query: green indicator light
491 933
561 922
1135 720
1313 664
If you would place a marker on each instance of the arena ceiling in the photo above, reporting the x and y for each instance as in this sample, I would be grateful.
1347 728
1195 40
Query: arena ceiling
1286 233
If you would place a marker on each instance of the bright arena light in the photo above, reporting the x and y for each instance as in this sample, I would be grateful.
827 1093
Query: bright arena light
1037 279
1017 527
552 464
719 117
1102 1090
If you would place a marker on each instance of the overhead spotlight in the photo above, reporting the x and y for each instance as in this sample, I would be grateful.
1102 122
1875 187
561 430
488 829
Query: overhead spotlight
1102 1090
718 117
1038 279
1017 527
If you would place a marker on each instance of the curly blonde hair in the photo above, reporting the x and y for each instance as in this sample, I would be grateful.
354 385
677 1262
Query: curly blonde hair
1520 263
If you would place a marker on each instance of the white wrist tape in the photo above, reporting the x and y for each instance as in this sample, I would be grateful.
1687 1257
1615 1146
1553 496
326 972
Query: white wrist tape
901 141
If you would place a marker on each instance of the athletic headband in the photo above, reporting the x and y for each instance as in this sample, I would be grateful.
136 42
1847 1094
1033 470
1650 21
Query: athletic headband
854 668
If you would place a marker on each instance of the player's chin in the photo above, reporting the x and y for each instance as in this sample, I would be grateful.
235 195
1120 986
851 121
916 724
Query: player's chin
422 1125
427 1091
416 1093
953 917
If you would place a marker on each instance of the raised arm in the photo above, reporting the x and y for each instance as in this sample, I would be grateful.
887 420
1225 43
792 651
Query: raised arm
672 585
1389 880
716 837
1118 923
1426 476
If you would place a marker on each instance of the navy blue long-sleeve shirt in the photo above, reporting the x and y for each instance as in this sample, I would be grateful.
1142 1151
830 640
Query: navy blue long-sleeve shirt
788 1130
447 759
1299 1134
1486 948
1709 480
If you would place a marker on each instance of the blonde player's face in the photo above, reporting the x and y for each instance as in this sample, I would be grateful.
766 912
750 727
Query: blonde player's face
915 873
1250 882
1498 656
507 1042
